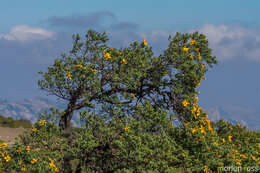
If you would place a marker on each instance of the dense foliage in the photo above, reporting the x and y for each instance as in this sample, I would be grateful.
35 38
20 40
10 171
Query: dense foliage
130 99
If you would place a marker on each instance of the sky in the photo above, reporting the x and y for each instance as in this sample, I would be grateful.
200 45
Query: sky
33 33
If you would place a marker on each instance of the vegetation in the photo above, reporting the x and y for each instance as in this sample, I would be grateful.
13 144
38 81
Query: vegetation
10 122
130 99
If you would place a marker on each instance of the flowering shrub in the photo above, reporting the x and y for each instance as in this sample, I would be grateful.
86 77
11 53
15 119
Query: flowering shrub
133 129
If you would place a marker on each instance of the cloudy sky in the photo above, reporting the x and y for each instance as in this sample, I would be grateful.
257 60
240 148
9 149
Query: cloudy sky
34 33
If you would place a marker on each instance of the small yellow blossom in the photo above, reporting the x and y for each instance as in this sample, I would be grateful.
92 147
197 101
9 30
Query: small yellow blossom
93 70
132 95
223 140
198 49
258 144
185 103
68 75
3 145
199 56
145 42
193 130
202 130
238 162
215 143
7 158
229 138
185 49
243 156
206 169
126 128
23 169
34 130
238 125
111 48
191 56
124 61
19 150
107 56
20 162
78 66
186 124
42 122
28 148
253 157
33 161
192 42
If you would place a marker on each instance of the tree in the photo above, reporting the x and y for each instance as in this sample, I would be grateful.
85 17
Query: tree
132 131
96 73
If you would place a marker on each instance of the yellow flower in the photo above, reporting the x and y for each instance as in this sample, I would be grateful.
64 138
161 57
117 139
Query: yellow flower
78 66
107 56
191 56
229 138
206 169
199 57
52 164
28 148
19 150
42 122
238 161
145 42
253 157
34 130
185 49
132 95
215 143
258 144
93 70
202 130
33 161
126 128
238 125
192 42
23 168
68 75
3 145
185 103
186 124
124 61
198 49
243 156
20 162
7 158
111 48
230 127
164 73
193 130
196 99
223 140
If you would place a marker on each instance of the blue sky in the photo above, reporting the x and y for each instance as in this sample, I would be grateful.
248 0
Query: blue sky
33 33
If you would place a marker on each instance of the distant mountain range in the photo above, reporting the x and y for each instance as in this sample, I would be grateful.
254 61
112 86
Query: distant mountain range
29 108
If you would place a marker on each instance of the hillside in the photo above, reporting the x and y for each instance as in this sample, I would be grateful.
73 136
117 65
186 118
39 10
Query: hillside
28 109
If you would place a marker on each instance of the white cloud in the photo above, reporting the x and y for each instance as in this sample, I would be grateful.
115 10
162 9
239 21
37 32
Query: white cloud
26 33
232 41
226 41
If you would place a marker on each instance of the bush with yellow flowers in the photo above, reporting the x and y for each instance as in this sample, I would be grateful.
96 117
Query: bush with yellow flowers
130 98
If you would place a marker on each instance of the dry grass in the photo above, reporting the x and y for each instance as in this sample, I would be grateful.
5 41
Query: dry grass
8 134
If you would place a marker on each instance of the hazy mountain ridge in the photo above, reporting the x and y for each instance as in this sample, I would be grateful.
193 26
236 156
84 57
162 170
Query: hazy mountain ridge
29 109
